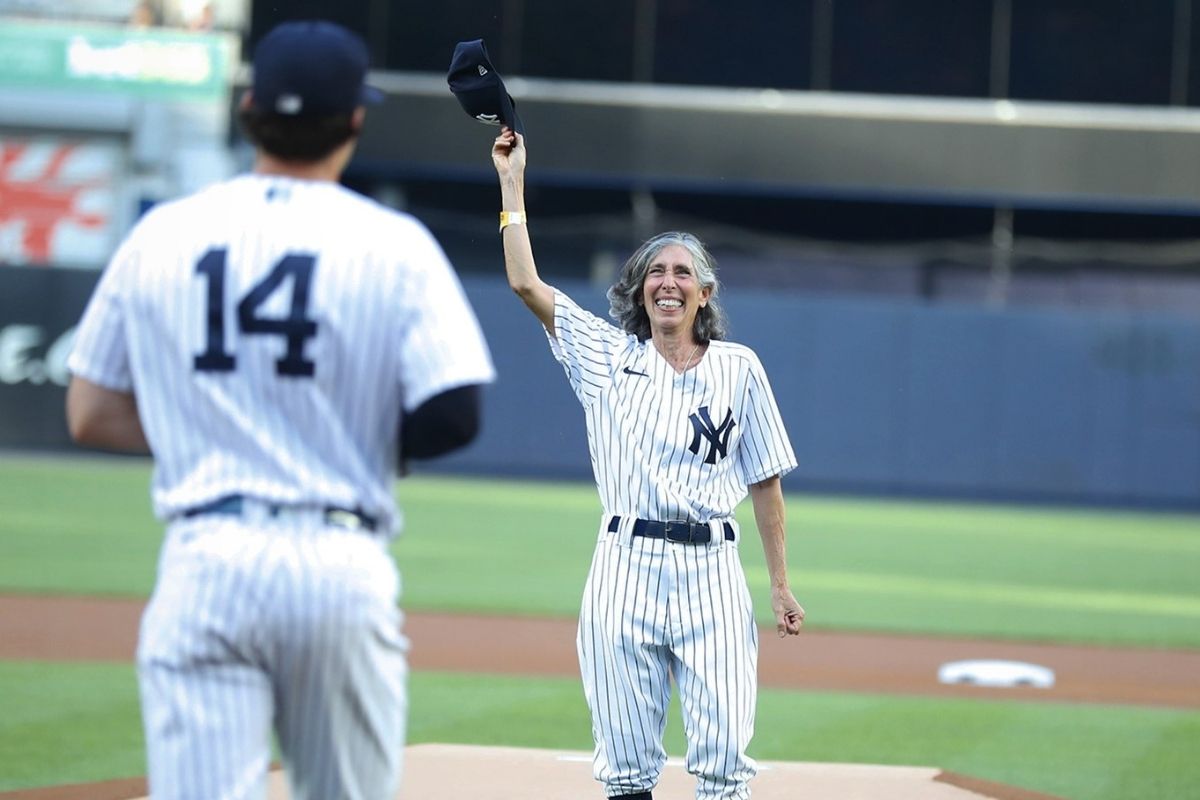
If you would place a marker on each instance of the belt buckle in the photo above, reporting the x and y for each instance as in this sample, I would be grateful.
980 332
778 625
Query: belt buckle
678 532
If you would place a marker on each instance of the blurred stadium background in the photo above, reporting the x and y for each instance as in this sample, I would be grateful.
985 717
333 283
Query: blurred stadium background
963 236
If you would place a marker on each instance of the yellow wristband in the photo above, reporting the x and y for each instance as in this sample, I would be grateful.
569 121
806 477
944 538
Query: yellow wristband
511 218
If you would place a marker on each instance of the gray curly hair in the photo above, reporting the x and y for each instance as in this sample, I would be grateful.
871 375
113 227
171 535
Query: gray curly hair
625 295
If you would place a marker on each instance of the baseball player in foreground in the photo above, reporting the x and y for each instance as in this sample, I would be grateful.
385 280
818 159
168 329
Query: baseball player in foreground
279 343
680 425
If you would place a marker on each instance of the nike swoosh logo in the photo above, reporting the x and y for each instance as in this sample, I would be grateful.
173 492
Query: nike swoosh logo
629 371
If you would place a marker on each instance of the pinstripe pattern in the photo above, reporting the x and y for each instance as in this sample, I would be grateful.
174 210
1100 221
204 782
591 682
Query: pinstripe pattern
276 621
669 447
294 625
638 426
394 328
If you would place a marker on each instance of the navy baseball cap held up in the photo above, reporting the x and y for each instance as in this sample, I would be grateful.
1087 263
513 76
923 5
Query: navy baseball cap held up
478 86
311 68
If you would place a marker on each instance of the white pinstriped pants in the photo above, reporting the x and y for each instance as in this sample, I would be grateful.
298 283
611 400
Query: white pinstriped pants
273 625
651 609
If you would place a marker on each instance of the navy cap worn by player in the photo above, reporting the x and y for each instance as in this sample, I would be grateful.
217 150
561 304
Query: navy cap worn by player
279 344
681 426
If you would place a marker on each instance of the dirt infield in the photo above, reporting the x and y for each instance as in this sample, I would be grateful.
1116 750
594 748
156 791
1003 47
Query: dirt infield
105 629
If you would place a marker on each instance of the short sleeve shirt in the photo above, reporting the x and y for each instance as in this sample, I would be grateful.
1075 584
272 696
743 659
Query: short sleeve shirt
272 331
666 446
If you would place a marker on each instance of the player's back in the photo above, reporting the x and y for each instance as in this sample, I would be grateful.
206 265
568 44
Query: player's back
271 336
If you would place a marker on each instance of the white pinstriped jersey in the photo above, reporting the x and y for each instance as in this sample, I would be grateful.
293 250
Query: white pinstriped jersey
666 446
272 329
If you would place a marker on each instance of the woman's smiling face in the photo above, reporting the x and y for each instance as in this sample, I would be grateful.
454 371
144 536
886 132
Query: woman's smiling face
671 293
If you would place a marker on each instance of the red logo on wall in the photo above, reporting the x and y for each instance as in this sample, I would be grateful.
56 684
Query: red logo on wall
56 201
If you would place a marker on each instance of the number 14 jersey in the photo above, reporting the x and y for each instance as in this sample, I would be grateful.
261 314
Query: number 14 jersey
272 329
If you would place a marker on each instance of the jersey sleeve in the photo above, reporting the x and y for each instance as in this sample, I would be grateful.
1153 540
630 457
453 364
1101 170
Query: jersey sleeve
586 346
441 344
100 351
765 450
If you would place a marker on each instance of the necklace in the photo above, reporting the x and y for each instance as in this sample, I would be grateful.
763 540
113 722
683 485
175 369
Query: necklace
688 363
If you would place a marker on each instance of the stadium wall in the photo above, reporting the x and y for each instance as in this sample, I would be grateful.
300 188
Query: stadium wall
888 397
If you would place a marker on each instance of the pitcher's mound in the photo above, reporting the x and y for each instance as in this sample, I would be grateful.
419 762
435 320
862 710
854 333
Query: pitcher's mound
461 772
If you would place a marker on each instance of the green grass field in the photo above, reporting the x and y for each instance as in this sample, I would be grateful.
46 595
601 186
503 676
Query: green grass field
66 723
84 526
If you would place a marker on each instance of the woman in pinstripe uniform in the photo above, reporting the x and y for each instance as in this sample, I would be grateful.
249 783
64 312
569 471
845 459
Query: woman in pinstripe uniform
681 426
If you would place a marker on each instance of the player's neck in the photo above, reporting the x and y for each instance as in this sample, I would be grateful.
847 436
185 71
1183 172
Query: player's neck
326 169
305 171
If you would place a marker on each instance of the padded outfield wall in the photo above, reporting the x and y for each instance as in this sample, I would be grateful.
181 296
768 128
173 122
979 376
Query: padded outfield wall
880 396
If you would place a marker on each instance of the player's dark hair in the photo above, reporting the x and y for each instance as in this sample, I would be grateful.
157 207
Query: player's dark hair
625 296
297 138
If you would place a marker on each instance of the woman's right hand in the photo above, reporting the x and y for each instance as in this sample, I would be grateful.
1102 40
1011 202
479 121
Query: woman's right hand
508 154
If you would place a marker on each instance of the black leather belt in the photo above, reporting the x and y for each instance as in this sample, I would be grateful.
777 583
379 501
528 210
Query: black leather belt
233 503
686 532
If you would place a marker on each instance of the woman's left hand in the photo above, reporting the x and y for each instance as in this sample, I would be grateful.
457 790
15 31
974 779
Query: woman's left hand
789 614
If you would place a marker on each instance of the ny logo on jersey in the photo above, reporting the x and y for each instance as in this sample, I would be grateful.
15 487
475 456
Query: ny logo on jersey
716 435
